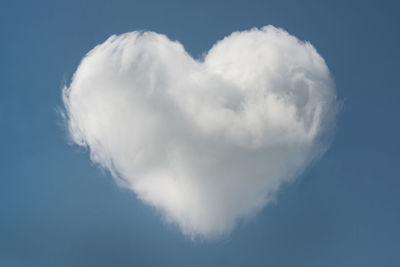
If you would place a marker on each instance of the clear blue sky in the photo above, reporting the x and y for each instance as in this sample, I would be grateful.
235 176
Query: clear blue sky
57 209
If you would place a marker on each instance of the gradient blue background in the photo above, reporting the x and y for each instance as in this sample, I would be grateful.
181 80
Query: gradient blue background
57 209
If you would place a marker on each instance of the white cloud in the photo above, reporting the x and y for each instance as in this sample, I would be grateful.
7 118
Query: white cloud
206 143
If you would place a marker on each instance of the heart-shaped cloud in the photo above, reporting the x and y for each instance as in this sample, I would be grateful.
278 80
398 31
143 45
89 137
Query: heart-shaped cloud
206 142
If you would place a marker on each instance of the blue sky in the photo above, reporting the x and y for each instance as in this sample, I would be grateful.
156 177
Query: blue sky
58 209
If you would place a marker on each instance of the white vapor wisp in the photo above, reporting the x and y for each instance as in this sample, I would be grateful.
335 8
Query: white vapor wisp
206 142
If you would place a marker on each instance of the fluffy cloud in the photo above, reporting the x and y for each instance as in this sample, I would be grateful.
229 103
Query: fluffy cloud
206 142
